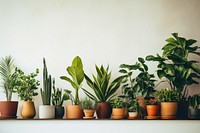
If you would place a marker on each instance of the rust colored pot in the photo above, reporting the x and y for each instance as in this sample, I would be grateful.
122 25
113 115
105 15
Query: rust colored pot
28 110
8 109
118 111
89 112
74 112
104 110
152 110
142 102
169 110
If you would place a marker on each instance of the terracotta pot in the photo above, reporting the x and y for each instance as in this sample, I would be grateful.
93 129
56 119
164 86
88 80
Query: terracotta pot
118 112
46 112
59 112
152 110
28 110
89 112
8 109
74 112
104 111
194 113
169 110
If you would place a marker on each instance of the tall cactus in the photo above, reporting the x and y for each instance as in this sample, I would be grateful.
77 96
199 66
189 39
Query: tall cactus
47 86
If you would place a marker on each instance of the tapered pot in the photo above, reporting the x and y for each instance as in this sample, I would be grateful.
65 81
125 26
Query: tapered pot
104 110
46 112
118 113
194 113
8 109
74 112
60 111
169 110
89 113
28 110
152 110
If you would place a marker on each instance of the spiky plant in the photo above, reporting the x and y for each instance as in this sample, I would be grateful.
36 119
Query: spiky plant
7 73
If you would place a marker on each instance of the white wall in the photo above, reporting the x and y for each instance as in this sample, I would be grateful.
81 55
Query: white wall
99 31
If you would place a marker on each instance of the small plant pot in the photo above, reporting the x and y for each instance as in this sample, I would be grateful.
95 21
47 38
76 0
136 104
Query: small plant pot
118 113
28 110
169 110
152 110
8 109
89 113
74 112
59 112
132 115
46 112
104 110
194 113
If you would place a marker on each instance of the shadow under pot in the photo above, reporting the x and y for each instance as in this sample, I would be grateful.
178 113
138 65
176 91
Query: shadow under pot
60 111
8 109
104 110
46 112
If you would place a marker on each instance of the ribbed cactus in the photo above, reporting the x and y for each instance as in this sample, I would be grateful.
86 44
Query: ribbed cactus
46 92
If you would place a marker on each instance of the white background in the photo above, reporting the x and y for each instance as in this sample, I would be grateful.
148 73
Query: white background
99 31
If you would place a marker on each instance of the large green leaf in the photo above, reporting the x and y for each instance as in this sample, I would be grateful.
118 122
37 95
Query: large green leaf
77 62
76 73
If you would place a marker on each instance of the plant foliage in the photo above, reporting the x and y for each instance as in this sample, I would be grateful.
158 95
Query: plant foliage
194 101
168 95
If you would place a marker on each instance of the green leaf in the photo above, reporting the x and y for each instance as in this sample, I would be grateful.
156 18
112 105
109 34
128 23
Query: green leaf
161 73
123 71
77 62
141 60
190 42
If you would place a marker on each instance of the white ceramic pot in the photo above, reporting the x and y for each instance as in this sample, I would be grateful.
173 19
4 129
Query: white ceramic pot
132 114
46 112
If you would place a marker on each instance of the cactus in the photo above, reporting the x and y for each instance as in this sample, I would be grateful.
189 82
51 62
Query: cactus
46 92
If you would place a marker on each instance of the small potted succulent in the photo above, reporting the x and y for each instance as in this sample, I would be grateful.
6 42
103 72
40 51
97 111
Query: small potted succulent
118 108
26 89
76 72
194 111
134 109
89 108
169 102
153 108
57 100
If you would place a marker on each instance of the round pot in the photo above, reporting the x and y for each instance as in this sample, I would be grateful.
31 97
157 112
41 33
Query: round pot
28 110
46 112
133 114
74 112
8 109
152 110
104 110
118 112
59 112
169 110
194 113
89 112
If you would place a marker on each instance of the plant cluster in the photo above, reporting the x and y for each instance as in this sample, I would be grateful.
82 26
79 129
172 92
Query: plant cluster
88 104
133 106
152 101
194 101
117 103
168 95
26 84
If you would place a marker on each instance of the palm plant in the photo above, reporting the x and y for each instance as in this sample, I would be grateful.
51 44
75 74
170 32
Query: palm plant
103 89
7 72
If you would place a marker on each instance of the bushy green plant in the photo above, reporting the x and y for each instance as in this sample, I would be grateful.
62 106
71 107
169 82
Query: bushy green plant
57 96
194 101
8 75
88 104
103 89
27 85
77 76
133 106
117 103
168 95
174 64
141 85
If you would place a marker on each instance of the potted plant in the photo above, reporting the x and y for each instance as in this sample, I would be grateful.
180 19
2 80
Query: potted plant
89 108
153 108
194 111
169 102
134 109
74 111
46 111
57 100
8 108
26 89
118 108
103 89
175 67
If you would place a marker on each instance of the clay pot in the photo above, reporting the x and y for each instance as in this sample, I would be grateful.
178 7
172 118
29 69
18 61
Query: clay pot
28 110
46 112
59 112
169 110
89 113
74 112
104 110
8 109
152 110
118 111
194 113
